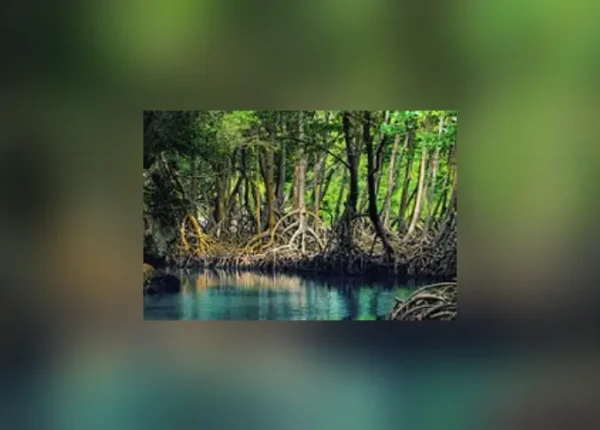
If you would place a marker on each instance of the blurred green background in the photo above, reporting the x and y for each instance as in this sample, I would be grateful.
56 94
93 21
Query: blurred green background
76 78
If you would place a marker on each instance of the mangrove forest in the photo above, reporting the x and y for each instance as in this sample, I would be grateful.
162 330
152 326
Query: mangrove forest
301 196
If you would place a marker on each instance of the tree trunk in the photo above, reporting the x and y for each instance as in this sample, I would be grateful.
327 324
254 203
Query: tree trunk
174 178
363 199
281 174
194 182
222 185
380 152
439 206
235 195
364 194
451 178
391 186
325 187
450 220
258 203
318 173
301 181
431 191
340 195
219 199
353 156
434 171
411 198
300 170
373 212
247 185
420 191
269 181
406 182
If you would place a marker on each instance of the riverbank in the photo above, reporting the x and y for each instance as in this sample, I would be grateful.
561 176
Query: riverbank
416 265
294 244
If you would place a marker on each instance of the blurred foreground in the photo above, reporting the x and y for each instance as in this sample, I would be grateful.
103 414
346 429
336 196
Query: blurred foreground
76 79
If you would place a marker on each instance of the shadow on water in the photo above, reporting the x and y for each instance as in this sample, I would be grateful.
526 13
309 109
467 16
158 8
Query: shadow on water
248 295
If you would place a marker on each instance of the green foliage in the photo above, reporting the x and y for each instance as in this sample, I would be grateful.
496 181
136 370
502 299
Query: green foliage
169 131
235 126
205 147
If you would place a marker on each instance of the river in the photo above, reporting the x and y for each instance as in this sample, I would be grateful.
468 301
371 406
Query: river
210 295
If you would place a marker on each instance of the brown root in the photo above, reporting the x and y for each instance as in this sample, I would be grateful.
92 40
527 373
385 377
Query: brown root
302 240
432 302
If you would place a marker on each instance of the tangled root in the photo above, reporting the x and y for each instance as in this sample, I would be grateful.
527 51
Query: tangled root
433 302
194 245
434 257
300 239
296 235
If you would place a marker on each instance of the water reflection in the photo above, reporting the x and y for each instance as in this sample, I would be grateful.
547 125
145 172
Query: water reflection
211 295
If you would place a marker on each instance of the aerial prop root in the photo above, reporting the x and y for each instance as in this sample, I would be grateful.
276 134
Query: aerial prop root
284 235
432 302
194 241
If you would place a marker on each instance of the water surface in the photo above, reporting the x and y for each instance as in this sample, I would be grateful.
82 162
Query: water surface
210 295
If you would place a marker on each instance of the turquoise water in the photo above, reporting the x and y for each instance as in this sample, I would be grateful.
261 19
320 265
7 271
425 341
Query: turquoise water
211 295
